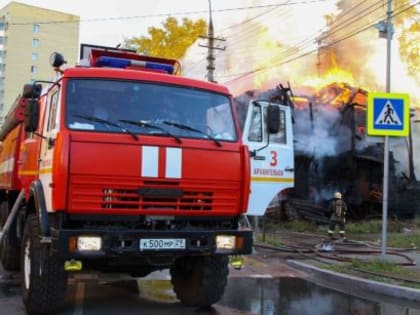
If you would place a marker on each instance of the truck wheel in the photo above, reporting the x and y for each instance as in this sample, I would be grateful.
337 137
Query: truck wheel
9 247
4 212
9 253
200 281
44 281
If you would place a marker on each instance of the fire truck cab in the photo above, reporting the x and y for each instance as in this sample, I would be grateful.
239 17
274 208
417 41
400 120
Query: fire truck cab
121 165
268 132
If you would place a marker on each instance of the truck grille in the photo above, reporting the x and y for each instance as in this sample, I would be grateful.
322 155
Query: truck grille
87 194
130 199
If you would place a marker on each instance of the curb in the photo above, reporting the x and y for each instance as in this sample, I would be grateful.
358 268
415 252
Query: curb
363 288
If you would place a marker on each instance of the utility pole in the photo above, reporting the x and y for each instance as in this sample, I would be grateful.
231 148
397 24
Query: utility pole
386 144
210 55
411 172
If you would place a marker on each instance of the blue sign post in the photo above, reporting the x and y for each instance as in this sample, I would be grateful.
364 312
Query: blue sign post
388 114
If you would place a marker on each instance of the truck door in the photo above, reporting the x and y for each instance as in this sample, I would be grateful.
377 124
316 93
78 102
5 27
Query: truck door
272 161
50 129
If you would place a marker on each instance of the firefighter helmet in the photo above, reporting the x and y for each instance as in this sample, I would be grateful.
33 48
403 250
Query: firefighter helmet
337 195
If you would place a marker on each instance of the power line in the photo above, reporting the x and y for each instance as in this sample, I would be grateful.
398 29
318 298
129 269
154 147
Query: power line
135 17
249 33
347 36
311 51
199 63
367 11
317 37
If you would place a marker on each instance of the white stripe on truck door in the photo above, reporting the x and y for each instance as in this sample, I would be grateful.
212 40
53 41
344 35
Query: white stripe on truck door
173 162
150 162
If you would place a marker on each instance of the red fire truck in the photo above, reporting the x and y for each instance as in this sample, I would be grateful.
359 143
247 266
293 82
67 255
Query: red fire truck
121 165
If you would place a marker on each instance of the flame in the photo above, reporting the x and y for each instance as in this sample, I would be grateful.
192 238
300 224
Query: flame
264 57
331 75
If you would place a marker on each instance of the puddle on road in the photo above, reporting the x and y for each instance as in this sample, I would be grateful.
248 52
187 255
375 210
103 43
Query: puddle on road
260 296
298 296
280 296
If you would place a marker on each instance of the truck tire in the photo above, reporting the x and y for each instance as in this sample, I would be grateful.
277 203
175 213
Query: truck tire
4 212
200 281
44 290
9 254
9 247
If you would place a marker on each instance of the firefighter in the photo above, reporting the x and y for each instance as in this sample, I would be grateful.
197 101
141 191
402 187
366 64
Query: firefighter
338 210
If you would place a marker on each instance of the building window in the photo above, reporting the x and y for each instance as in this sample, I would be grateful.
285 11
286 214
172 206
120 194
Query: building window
2 26
1 40
35 43
34 56
35 28
34 69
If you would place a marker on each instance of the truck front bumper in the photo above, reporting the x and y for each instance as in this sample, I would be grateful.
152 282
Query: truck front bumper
127 243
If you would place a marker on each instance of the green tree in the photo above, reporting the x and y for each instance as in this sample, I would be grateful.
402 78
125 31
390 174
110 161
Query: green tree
171 41
410 48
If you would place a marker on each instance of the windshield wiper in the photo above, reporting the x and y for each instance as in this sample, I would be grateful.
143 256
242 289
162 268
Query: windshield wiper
107 122
189 128
147 124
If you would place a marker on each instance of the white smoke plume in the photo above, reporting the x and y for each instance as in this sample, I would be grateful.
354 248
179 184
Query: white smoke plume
324 136
281 45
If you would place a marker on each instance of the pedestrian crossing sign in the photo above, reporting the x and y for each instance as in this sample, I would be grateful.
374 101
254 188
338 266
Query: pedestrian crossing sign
388 114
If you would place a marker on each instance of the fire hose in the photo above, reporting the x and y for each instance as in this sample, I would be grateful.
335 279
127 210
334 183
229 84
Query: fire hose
317 251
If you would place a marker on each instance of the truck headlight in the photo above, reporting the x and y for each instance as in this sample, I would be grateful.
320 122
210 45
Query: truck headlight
89 243
225 241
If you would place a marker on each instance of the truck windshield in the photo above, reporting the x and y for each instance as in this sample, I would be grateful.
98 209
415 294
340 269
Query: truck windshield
126 102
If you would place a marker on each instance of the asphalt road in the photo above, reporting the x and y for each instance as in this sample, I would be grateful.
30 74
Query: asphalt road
265 286
115 294
108 294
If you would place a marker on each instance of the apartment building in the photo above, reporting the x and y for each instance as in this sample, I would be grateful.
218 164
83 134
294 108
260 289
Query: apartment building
28 36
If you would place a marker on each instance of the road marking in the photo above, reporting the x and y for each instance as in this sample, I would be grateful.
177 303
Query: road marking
80 295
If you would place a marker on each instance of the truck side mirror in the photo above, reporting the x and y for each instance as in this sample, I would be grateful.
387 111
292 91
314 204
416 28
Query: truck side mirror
31 115
32 90
273 119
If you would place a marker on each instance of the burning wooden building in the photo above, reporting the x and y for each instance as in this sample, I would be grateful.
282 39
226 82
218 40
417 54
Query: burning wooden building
333 153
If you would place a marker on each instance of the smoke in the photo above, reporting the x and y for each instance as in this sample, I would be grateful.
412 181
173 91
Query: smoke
400 147
332 44
324 136
317 134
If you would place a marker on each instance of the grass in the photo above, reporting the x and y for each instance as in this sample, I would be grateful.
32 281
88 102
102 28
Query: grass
375 268
301 226
404 240
368 230
375 226
400 234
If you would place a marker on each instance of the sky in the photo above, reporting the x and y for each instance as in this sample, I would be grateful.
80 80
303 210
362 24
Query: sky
108 22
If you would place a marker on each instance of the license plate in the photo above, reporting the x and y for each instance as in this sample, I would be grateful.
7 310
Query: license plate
161 243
